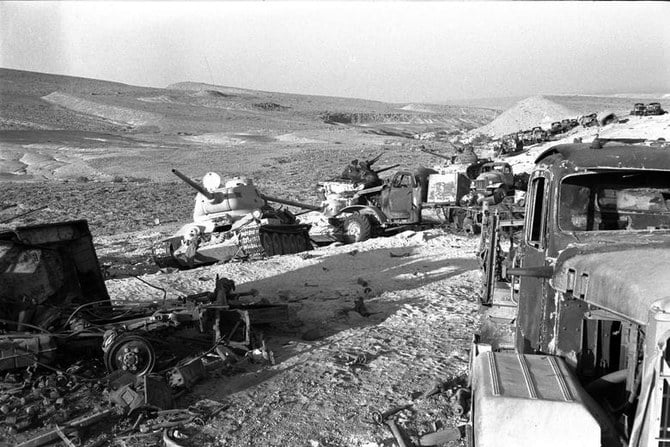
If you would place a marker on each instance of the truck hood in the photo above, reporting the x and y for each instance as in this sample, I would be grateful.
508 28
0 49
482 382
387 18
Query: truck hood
622 278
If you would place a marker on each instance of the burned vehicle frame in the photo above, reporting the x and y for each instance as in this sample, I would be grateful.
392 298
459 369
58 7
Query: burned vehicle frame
55 303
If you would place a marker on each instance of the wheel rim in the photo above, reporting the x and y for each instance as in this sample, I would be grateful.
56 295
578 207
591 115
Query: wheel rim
267 244
354 231
294 243
276 244
133 354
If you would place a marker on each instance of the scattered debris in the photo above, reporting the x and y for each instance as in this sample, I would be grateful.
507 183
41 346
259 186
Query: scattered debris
145 365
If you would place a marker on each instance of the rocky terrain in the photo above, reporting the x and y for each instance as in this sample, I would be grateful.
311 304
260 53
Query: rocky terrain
59 127
372 325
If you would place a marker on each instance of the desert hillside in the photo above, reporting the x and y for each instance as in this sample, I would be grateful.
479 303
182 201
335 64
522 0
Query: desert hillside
108 129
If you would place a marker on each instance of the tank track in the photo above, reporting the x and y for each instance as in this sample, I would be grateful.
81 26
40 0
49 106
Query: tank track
250 240
270 240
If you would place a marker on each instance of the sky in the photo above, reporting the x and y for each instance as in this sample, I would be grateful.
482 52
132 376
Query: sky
390 51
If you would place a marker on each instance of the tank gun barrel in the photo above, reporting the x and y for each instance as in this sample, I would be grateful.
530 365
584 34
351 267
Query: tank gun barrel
379 171
193 184
446 157
374 160
291 203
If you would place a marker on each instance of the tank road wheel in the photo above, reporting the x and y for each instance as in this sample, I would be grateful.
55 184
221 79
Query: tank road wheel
302 242
357 228
266 243
277 247
288 242
130 353
294 243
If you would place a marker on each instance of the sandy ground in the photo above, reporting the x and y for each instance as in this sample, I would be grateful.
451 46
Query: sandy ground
421 291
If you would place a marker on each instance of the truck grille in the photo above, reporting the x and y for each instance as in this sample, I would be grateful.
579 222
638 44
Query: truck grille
480 184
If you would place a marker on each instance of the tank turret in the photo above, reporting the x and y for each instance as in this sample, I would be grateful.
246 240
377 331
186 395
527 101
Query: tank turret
225 204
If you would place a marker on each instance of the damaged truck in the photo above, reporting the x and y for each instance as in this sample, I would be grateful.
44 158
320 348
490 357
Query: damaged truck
573 349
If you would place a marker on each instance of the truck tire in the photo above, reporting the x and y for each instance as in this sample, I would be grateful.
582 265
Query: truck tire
357 228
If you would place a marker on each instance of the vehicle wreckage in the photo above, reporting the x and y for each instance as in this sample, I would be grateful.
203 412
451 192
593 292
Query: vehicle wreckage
54 297
56 310
233 221
575 320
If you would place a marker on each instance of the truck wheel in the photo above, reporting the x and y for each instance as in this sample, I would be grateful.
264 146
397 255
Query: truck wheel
130 353
357 228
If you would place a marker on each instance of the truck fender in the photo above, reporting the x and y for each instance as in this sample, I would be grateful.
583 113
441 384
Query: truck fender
364 209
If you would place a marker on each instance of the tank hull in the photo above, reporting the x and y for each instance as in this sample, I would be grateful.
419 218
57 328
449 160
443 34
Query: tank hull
250 241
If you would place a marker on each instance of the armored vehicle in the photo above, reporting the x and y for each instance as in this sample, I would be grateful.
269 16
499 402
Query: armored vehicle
582 357
233 220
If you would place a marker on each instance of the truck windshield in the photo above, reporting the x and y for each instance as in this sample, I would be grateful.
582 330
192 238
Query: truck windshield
610 201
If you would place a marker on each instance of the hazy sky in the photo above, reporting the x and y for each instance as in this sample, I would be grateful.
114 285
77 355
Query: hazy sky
391 51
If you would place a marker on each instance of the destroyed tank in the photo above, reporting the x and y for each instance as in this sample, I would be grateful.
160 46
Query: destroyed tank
233 221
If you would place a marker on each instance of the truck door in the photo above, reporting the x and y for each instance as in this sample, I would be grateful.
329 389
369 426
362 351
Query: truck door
400 198
532 288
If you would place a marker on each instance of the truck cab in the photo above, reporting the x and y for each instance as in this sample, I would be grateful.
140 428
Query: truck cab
591 280
494 183
401 199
